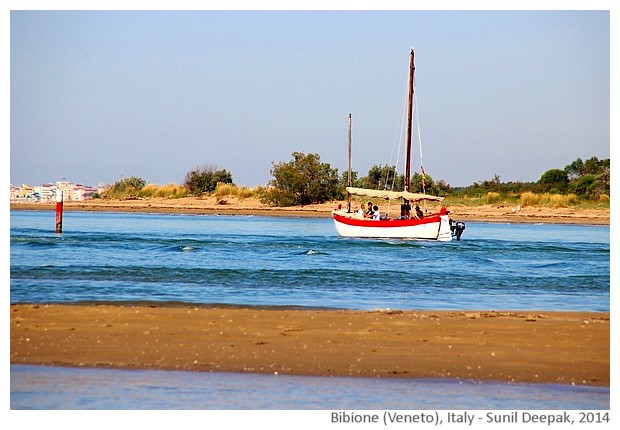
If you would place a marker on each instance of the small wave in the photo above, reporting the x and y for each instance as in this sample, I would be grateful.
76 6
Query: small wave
187 248
35 242
312 252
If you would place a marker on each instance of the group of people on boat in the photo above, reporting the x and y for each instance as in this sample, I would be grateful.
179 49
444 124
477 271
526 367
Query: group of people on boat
372 212
405 211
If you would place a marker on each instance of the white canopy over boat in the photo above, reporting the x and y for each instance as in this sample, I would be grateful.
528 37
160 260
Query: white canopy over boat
392 195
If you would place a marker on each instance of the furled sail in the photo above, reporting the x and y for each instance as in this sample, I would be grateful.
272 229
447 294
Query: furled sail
392 195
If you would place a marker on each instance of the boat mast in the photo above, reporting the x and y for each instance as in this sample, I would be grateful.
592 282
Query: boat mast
409 116
349 182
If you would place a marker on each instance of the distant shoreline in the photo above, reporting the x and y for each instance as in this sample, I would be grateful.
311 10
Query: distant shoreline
252 206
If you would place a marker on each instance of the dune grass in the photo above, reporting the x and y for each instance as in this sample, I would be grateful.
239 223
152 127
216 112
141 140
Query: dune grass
170 191
224 190
529 199
546 199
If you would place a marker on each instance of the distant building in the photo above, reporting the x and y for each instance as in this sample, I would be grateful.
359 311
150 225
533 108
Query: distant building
46 193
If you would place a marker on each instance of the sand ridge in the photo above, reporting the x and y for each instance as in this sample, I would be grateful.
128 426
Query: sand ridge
554 347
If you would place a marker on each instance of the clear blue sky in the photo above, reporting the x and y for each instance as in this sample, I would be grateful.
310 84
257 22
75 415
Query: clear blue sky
100 95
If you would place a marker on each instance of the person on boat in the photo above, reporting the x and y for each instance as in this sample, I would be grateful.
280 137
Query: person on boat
405 211
418 212
376 215
361 212
369 211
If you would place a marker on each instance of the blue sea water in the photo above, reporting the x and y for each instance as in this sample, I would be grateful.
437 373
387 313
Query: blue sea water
269 261
296 262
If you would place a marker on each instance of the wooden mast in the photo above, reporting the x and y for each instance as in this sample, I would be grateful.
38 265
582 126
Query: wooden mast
409 116
349 181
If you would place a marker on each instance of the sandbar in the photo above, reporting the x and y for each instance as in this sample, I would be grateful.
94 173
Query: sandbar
509 346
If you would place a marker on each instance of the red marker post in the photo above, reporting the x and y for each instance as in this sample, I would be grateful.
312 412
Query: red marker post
58 210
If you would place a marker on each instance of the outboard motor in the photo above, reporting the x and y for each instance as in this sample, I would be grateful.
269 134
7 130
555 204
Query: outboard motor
457 228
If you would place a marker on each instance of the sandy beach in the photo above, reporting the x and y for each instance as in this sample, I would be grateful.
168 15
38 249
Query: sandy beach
555 347
252 206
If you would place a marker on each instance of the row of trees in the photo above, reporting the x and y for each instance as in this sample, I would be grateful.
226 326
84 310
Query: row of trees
589 179
305 180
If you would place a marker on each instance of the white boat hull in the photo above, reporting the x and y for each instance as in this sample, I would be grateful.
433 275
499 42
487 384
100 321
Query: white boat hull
434 227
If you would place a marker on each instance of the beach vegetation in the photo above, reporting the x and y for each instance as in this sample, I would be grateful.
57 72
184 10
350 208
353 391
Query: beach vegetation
306 180
554 179
579 182
240 192
303 180
493 197
124 188
589 179
204 179
592 166
168 191
547 199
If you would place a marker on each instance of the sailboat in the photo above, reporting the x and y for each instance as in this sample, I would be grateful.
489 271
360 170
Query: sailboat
436 226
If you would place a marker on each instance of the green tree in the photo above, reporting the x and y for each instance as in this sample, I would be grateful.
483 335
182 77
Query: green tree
594 166
383 178
355 182
603 181
428 186
554 179
204 179
302 181
591 178
575 169
585 185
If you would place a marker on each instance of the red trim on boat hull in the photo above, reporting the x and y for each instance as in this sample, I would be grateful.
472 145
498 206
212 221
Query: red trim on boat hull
433 227
358 222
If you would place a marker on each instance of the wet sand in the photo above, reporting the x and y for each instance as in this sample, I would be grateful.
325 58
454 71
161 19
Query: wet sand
553 347
252 206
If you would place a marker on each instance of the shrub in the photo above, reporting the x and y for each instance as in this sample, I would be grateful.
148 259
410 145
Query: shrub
493 197
559 200
204 179
149 190
277 197
127 187
304 180
528 198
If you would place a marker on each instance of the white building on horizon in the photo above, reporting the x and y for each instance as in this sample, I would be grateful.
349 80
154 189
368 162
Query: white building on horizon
46 193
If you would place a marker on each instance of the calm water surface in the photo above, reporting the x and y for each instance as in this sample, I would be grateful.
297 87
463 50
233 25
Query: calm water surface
42 387
264 261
